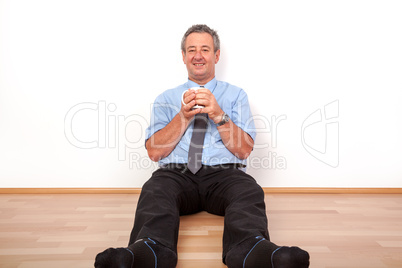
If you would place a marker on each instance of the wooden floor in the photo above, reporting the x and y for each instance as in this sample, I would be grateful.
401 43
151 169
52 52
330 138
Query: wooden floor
64 230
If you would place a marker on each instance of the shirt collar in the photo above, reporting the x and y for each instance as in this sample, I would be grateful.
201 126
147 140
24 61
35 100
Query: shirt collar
210 85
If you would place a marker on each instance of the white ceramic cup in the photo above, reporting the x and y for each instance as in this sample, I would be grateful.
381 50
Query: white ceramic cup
195 106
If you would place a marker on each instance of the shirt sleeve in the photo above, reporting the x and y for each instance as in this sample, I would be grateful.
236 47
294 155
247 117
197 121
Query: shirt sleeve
161 114
241 114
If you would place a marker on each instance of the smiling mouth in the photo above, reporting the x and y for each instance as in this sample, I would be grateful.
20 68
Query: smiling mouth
199 64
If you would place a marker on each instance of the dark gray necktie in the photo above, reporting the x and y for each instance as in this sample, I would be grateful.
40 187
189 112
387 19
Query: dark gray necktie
197 142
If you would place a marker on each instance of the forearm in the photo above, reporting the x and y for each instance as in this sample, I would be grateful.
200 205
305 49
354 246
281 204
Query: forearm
162 143
237 141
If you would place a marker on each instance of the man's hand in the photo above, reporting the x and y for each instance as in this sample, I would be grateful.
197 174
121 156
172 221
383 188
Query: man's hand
187 111
205 98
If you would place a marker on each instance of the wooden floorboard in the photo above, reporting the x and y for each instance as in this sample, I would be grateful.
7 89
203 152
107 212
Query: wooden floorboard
68 230
268 190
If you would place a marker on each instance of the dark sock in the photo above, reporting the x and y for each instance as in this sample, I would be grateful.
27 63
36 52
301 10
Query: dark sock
143 253
114 258
150 254
257 252
290 257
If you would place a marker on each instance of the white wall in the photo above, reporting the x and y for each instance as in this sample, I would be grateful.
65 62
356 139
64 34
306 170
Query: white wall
77 79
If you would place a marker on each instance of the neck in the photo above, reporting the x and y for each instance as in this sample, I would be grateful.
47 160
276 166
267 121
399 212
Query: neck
201 82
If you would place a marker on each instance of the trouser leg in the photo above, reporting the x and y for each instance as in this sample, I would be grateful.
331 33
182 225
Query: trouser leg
164 197
238 197
245 216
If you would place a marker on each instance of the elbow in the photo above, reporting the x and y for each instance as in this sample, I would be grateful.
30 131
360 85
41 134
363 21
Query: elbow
154 155
243 156
246 149
244 153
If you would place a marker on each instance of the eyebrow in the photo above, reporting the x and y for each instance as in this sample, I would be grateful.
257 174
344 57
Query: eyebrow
204 46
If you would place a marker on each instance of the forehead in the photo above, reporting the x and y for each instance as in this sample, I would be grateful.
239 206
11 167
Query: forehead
199 40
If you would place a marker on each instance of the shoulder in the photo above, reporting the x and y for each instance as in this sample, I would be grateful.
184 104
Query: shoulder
227 88
168 94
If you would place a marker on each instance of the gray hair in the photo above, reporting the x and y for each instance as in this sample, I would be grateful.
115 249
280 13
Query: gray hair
201 28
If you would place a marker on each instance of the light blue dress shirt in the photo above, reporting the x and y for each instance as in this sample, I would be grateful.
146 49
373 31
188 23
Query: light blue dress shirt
231 99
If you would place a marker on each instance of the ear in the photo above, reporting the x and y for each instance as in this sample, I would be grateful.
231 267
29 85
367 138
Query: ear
184 56
217 55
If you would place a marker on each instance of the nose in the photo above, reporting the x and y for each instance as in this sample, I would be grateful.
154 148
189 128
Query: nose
198 55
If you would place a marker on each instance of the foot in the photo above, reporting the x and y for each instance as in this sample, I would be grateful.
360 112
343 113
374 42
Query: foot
290 257
150 254
143 253
115 258
257 252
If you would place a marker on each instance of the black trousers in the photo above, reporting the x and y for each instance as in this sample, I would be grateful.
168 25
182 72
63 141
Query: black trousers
222 190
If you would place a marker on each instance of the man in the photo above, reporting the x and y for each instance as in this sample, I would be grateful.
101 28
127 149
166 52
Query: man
184 185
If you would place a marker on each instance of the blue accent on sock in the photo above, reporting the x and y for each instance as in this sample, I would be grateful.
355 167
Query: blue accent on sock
272 256
132 263
146 243
244 262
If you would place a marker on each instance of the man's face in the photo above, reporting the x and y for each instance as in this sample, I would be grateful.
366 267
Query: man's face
200 58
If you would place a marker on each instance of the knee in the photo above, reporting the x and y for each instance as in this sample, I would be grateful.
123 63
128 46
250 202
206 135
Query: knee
158 192
249 189
154 187
160 185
